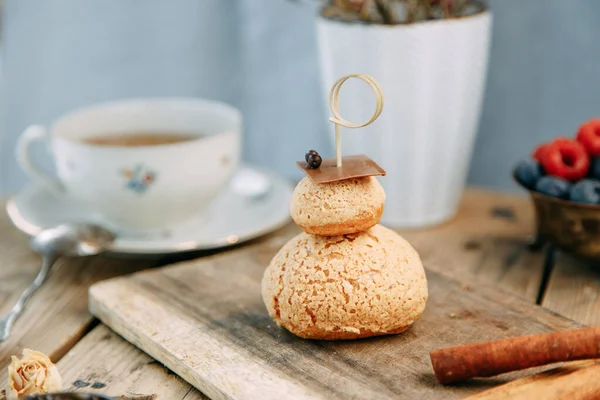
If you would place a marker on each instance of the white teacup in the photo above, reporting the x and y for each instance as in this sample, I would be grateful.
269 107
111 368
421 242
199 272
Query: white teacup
143 187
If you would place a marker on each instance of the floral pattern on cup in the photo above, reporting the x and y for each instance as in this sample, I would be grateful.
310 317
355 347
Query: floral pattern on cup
138 178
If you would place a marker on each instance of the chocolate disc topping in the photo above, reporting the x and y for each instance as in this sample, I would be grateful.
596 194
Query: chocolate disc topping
357 166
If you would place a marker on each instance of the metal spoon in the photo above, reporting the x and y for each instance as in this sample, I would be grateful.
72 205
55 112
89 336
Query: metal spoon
53 243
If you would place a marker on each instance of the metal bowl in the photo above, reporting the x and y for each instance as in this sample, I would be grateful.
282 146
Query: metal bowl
573 227
66 396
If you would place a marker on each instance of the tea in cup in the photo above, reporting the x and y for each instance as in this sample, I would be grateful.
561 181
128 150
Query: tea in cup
141 164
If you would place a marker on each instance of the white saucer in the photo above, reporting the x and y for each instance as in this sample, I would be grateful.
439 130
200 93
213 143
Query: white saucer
255 203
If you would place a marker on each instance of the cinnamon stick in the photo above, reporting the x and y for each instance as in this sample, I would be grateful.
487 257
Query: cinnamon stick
500 356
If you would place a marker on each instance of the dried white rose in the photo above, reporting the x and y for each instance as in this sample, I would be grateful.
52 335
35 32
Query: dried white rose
33 373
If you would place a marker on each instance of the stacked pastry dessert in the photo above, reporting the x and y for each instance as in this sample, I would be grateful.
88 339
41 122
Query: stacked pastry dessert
345 276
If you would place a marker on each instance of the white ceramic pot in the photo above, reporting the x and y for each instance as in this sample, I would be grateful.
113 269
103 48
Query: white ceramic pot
433 77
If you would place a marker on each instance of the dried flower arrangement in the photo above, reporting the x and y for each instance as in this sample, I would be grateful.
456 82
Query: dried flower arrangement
392 12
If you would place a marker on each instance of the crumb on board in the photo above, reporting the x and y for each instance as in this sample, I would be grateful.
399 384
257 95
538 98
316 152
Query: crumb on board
506 213
472 244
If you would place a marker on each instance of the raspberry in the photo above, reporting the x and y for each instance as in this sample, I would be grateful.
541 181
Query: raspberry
562 139
537 153
589 136
565 158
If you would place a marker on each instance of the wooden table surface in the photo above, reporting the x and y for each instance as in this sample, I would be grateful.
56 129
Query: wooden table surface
486 241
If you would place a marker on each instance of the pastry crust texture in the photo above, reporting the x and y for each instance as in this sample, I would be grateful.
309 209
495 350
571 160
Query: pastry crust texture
337 208
345 287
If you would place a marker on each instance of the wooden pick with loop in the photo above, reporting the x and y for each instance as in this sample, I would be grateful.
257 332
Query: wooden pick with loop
338 120
355 166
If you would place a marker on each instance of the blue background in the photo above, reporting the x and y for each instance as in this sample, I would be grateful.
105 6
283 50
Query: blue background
260 55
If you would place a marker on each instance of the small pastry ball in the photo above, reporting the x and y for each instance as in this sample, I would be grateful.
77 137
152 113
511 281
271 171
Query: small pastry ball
345 287
337 208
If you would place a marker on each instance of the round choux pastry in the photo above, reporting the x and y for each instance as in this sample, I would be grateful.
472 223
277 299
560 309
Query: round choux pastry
345 287
337 208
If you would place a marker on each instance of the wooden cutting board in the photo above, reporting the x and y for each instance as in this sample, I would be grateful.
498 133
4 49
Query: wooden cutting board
206 321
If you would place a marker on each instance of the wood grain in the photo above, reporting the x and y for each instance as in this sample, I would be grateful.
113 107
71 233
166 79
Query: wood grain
206 321
488 239
104 363
56 317
574 289
573 381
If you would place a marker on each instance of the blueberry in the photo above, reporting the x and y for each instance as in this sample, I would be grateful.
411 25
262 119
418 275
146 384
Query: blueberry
314 160
594 171
586 191
528 172
553 186
308 153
